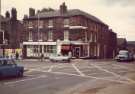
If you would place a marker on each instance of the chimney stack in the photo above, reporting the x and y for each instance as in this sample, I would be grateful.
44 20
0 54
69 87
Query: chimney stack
31 12
7 14
63 8
13 14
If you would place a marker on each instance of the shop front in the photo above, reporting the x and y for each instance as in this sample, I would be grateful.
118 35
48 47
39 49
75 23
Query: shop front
77 49
35 49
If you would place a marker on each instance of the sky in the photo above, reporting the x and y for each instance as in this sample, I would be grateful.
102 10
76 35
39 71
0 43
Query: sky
119 15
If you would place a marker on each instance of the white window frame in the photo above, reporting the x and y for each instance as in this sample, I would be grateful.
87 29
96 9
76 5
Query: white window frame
50 23
41 23
50 35
66 35
30 38
66 22
40 36
30 24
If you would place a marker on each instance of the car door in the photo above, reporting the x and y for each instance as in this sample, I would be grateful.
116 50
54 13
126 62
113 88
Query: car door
9 69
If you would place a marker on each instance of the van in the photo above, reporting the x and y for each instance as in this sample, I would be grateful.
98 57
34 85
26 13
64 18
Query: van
124 55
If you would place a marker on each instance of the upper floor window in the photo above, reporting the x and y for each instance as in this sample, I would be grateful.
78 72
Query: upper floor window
66 21
30 35
66 35
41 24
40 36
91 37
30 25
95 37
50 23
50 35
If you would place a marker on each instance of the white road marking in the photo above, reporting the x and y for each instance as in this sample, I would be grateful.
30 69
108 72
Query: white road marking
120 66
70 74
85 76
116 75
34 78
50 69
82 74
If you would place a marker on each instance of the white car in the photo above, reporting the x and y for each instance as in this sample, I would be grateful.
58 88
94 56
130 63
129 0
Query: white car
124 55
59 58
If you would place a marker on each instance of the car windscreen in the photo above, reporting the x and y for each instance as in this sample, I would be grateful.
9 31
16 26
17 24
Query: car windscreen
123 53
7 62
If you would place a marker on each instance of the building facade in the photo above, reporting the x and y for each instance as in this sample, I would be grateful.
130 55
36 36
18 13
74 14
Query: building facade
13 32
66 31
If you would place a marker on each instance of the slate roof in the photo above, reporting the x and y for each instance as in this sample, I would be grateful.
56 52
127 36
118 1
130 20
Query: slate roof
69 13
3 19
121 41
132 43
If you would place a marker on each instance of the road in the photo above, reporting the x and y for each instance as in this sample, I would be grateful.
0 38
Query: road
78 77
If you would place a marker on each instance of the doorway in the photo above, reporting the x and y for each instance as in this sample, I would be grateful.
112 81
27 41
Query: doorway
77 52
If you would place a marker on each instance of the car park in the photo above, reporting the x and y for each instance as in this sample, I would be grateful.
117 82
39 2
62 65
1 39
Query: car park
124 55
8 68
59 58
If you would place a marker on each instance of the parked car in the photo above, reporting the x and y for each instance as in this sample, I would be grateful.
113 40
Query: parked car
8 68
124 55
59 58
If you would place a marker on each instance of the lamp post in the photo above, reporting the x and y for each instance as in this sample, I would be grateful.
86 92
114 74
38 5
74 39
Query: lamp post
38 37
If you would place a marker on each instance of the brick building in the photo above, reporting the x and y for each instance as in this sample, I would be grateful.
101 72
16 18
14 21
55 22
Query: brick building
13 30
63 31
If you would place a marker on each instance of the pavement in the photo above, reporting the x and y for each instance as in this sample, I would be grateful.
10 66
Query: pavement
78 77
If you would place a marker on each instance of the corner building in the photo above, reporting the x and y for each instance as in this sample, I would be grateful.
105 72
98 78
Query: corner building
66 31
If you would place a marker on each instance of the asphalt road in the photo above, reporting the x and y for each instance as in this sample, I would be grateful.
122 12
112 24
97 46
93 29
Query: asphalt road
77 77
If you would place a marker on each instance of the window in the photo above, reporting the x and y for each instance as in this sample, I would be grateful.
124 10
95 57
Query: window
40 36
91 37
30 25
66 21
66 35
50 49
50 35
95 37
30 35
41 24
50 23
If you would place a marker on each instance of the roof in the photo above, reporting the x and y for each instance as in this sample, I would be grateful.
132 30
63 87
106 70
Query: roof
69 13
121 41
3 19
131 43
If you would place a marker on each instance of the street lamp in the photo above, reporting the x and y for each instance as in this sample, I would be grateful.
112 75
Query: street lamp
38 37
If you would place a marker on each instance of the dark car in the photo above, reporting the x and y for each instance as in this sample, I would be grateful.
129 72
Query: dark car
8 68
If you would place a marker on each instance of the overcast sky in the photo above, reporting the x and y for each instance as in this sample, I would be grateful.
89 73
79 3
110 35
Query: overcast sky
118 14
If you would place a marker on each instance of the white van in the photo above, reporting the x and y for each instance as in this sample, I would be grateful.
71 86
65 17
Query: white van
124 55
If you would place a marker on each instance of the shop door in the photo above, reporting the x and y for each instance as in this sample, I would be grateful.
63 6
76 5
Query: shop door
77 52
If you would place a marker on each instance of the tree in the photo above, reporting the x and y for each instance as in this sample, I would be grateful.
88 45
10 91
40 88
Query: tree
47 9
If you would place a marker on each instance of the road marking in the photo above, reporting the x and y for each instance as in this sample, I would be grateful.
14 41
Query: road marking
116 75
85 76
50 69
82 74
120 66
34 78
70 74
